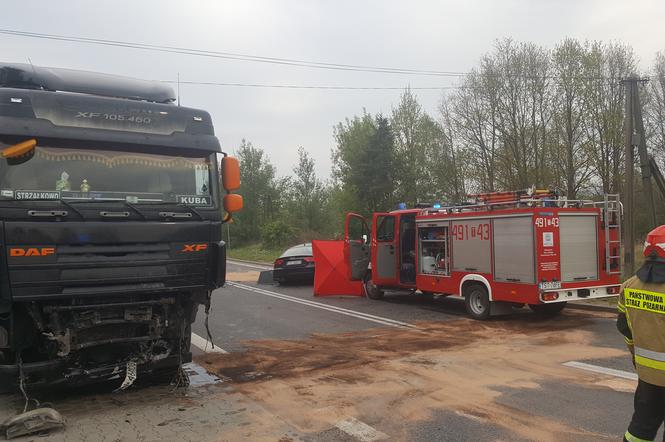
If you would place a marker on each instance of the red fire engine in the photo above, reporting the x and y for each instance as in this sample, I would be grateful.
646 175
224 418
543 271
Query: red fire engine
503 249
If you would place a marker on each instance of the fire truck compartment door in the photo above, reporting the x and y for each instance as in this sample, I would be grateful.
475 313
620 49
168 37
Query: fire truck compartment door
356 246
579 247
514 250
385 249
471 245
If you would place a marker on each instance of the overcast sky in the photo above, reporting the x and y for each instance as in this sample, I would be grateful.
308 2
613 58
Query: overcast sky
433 35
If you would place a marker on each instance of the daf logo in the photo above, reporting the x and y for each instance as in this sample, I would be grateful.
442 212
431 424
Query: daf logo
31 251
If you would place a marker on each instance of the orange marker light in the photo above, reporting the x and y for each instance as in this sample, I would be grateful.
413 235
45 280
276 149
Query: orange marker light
18 149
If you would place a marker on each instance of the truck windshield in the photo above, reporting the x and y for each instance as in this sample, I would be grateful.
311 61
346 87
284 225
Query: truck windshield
91 174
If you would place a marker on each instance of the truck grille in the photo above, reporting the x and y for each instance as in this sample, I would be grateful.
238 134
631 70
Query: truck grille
93 268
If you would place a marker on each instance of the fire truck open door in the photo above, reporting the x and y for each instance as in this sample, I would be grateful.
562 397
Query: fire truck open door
385 249
356 246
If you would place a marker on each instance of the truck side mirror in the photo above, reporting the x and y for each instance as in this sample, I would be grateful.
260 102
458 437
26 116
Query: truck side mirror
233 202
230 173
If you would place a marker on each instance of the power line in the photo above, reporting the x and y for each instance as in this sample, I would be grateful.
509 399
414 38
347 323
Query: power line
289 61
232 56
294 86
284 61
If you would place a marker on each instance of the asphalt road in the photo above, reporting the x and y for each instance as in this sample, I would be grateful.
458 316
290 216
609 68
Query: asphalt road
292 367
566 403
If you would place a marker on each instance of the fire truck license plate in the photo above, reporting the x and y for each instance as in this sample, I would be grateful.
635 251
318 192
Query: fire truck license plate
549 285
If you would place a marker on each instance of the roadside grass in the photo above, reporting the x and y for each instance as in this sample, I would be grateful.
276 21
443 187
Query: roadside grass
255 252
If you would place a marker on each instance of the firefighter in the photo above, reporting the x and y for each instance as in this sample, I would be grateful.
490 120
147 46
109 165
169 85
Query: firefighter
641 320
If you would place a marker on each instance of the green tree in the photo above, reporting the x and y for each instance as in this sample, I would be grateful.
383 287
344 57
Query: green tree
363 164
415 135
308 194
260 190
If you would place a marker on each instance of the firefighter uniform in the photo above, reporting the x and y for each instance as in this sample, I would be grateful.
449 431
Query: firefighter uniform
641 320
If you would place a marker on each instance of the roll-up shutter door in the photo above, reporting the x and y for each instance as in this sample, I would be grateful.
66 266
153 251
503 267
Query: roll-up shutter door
579 249
513 250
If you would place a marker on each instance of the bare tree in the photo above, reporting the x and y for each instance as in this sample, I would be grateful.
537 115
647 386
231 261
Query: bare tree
474 116
454 165
655 108
606 65
571 148
523 71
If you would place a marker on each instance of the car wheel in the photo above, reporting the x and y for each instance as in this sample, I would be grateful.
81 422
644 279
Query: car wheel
477 301
373 292
548 309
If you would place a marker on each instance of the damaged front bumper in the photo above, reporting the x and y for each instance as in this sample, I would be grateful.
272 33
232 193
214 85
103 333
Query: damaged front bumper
60 373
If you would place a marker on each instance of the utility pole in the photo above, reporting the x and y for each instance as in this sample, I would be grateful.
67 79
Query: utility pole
633 132
629 230
645 166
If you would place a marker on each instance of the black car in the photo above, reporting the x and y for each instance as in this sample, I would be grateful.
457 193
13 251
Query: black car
295 264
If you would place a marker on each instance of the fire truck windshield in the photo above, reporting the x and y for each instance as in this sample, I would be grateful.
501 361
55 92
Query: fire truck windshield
92 174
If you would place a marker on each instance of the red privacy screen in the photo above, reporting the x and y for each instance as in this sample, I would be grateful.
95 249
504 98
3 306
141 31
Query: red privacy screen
330 275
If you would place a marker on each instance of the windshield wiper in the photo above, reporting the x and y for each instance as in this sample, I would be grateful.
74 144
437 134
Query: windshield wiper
63 202
101 200
174 203
66 204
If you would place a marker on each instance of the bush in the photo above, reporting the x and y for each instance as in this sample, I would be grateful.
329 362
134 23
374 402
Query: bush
277 233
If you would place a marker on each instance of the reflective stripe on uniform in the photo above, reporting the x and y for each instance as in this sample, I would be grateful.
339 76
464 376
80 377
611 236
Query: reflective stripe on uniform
654 355
644 300
630 438
621 308
628 340
650 363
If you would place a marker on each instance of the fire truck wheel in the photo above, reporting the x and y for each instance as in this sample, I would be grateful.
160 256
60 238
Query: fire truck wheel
548 309
373 292
477 301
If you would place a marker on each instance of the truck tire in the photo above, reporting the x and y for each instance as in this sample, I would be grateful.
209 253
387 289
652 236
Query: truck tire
548 309
477 301
373 292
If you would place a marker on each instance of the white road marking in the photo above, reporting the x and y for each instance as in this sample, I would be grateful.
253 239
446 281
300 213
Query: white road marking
331 308
248 265
602 370
205 345
360 430
470 416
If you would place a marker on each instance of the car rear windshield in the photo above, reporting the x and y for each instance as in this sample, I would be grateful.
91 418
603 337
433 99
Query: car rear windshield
298 251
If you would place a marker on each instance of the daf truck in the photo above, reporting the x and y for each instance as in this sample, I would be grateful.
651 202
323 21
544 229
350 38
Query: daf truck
112 200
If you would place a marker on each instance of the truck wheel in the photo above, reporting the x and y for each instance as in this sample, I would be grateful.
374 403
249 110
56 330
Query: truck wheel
548 309
373 292
477 301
